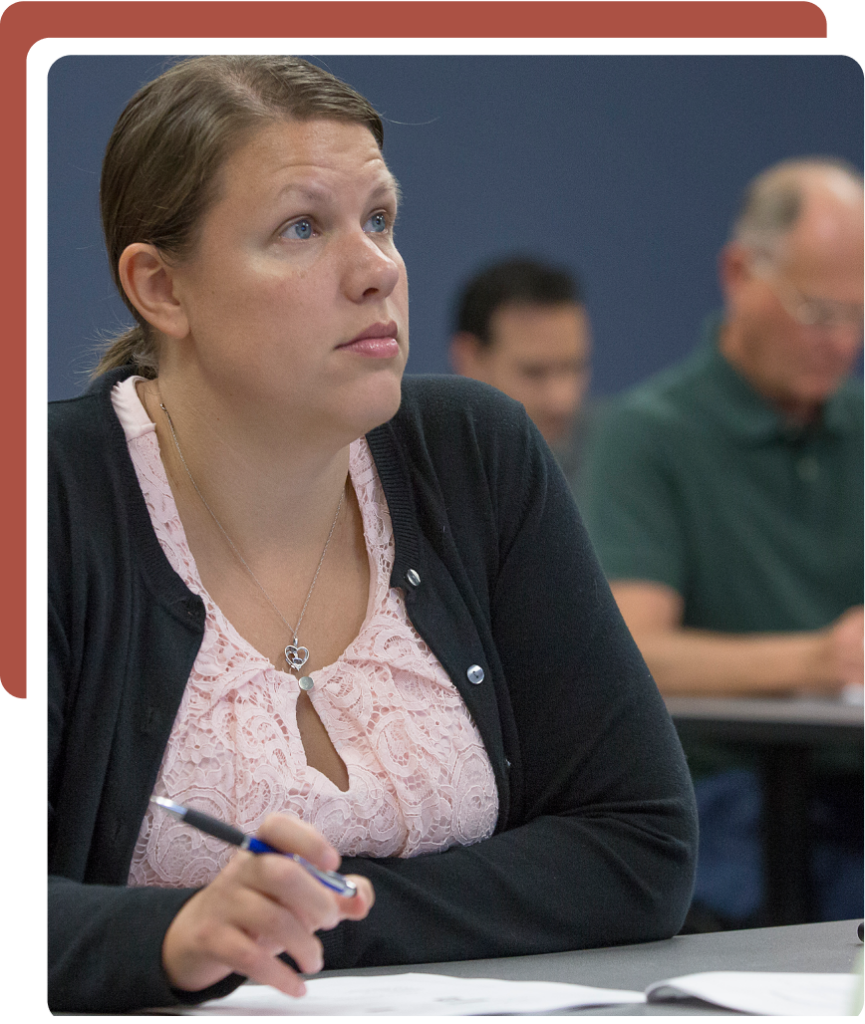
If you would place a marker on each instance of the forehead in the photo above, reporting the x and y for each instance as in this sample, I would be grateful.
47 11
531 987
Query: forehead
532 325
312 156
824 249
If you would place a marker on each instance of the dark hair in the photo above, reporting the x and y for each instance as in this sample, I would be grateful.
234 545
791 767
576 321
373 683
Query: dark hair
516 281
162 160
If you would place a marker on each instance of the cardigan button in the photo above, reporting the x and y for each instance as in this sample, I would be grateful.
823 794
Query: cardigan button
475 674
413 577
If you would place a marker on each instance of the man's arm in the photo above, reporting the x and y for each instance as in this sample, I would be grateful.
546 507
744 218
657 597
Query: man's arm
696 661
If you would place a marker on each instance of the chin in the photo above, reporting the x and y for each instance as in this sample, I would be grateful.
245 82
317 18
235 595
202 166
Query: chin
374 402
820 389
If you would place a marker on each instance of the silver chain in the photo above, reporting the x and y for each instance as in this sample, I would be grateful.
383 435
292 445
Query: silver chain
244 563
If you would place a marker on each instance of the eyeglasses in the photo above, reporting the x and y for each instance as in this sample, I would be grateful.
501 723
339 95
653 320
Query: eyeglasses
807 311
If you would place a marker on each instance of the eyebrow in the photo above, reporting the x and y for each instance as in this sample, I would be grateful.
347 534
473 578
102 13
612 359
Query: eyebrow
391 186
313 193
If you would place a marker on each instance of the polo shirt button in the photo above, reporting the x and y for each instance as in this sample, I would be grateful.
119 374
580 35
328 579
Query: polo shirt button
475 674
808 469
413 577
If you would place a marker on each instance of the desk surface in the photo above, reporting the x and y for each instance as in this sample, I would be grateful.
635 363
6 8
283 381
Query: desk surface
767 720
830 947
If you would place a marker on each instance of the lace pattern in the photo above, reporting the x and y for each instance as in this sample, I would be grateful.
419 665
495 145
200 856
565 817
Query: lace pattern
420 779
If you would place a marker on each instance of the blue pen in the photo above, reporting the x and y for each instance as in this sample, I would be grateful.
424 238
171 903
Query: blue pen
228 834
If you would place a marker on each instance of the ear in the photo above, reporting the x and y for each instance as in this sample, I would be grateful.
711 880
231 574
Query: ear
734 269
467 355
149 285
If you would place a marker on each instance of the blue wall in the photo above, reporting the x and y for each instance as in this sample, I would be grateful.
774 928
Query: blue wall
626 170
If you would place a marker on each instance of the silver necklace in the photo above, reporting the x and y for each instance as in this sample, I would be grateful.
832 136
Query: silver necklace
296 656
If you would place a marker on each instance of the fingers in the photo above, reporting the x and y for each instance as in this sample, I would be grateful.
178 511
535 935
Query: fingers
291 835
288 885
274 929
233 925
355 908
260 905
839 651
244 955
268 970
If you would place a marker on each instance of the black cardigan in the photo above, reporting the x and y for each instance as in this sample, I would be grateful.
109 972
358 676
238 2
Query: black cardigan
596 835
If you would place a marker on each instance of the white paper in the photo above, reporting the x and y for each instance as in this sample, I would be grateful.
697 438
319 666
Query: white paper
419 994
790 995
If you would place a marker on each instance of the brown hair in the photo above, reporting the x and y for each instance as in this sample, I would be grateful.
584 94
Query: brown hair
164 155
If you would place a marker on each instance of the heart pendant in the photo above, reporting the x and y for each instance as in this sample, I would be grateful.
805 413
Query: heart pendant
296 657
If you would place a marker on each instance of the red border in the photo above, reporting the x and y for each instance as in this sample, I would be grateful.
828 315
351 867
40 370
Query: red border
23 24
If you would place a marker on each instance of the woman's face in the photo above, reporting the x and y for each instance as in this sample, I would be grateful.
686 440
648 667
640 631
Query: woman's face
296 299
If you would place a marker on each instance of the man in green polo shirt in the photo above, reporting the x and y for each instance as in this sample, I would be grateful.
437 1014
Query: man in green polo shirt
724 496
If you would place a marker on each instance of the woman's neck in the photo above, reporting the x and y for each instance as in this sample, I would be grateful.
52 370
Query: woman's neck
261 482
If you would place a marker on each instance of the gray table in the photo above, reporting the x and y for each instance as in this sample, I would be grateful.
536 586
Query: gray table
785 731
830 947
774 721
827 948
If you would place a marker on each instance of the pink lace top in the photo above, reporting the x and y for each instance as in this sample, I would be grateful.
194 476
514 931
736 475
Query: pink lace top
419 776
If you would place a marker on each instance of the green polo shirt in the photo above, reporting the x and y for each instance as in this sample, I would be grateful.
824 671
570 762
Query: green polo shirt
694 481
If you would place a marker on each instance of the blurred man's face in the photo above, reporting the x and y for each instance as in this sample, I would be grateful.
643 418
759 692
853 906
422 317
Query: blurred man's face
798 319
539 355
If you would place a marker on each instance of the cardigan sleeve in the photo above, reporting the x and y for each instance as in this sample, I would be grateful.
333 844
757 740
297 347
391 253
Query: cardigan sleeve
599 843
104 941
104 938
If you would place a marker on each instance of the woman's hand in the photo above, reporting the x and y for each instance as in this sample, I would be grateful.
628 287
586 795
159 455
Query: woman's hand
260 905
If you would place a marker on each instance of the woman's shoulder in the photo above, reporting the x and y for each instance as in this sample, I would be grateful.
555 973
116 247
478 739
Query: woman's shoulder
88 411
453 433
446 409
428 393
80 480
85 438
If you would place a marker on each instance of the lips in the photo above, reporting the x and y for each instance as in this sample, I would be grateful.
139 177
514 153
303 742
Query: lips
378 340
388 330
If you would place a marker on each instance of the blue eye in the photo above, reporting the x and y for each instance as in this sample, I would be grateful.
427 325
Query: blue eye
300 229
377 222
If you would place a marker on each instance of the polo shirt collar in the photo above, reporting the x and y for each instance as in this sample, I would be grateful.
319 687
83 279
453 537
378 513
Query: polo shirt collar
742 410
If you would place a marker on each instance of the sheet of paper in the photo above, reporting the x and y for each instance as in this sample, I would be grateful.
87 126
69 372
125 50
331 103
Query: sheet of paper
790 995
419 994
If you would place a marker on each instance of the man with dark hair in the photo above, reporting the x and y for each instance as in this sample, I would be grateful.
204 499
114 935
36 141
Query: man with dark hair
724 498
522 327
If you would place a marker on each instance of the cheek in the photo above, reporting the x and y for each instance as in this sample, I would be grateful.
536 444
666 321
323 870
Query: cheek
776 342
216 297
272 306
400 292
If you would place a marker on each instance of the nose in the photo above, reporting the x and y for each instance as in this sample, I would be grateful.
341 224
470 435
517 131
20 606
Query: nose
369 270
844 339
562 394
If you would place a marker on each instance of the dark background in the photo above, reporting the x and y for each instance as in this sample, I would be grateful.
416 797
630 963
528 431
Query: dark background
626 170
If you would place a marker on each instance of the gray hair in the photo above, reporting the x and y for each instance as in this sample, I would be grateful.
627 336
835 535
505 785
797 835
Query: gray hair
773 201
